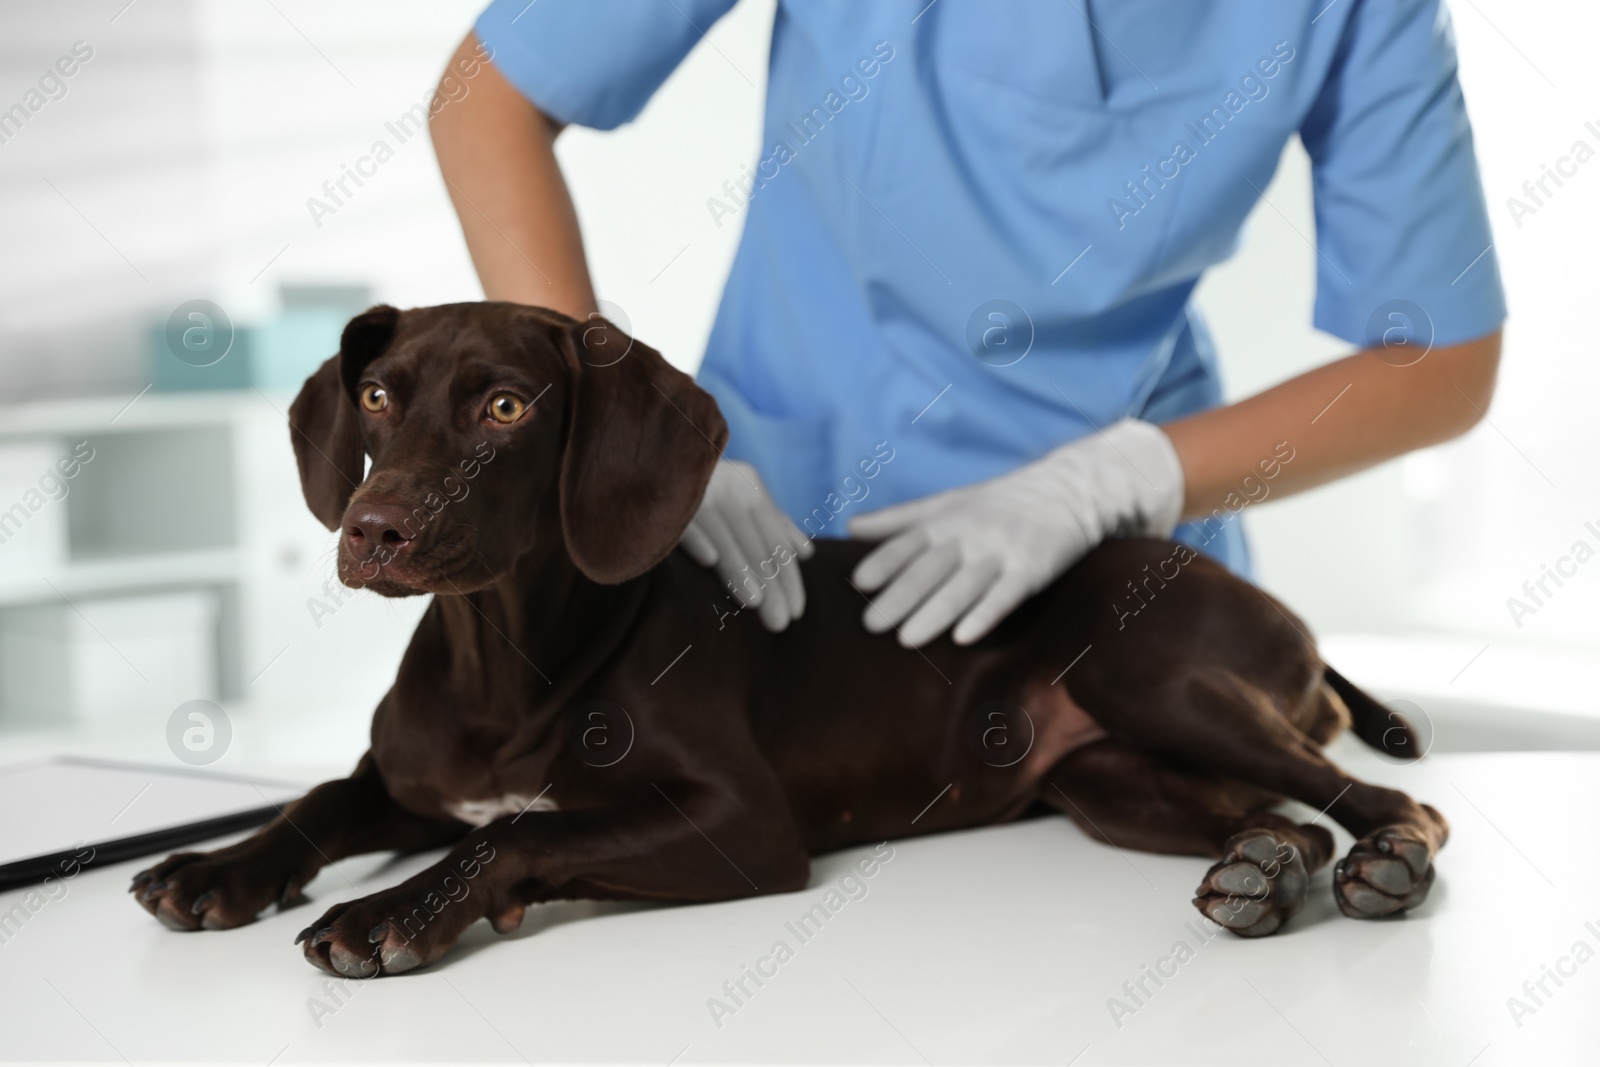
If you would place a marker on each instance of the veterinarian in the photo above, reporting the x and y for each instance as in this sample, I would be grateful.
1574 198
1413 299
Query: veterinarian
971 238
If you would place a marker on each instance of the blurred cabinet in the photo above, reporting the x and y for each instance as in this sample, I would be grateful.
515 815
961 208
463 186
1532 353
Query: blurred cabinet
80 661
150 552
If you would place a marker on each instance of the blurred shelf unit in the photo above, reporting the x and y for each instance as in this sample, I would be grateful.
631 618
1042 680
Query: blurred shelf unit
131 548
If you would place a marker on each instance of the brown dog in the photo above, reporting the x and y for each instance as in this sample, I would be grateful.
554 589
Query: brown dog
579 715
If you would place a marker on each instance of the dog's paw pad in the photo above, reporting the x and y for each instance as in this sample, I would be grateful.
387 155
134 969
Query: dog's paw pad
1385 873
1259 883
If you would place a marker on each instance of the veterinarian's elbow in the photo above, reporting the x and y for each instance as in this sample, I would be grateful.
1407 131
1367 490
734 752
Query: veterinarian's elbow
1450 392
1464 377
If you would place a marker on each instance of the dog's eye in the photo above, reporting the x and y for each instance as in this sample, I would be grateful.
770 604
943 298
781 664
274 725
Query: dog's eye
374 397
505 407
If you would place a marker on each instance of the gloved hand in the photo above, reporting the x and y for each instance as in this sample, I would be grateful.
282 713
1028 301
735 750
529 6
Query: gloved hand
753 546
976 552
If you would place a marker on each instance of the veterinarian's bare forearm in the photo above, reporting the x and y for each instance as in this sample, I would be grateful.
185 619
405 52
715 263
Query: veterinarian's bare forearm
1339 419
497 154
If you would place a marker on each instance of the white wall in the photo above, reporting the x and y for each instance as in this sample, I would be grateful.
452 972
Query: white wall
1441 539
179 162
194 137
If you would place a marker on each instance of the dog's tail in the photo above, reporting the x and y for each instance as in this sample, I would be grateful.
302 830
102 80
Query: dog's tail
1383 728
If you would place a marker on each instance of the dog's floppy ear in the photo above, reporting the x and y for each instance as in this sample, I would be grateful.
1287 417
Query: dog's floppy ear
322 419
642 440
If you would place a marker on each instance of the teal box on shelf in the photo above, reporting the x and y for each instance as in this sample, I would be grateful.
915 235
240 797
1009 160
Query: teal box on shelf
280 354
171 374
199 347
285 351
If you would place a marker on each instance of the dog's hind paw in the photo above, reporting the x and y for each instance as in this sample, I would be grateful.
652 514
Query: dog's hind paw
1259 884
1385 873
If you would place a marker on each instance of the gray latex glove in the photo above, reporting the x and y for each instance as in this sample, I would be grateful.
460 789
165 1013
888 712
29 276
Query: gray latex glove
969 556
753 546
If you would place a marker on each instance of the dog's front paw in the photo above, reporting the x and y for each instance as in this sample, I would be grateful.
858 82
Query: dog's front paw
356 940
396 930
1386 873
1257 886
213 890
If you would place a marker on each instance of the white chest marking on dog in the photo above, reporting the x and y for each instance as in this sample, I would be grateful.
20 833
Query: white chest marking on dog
484 812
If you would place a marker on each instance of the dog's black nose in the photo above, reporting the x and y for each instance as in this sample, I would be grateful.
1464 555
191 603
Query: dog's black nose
375 526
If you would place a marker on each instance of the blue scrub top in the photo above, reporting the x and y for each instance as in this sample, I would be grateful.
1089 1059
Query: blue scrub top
972 230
